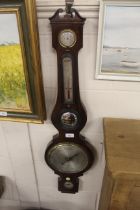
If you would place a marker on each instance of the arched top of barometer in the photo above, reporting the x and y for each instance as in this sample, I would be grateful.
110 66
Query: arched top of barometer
68 15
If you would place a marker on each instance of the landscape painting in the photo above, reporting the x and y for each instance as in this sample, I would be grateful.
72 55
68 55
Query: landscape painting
120 41
13 88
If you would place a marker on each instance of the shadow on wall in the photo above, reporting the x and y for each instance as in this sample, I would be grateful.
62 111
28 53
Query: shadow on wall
37 209
2 185
77 203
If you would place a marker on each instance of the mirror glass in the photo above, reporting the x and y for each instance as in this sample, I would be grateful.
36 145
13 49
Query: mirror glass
69 119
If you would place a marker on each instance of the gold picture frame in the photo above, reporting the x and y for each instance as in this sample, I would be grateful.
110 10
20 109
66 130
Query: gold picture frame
21 86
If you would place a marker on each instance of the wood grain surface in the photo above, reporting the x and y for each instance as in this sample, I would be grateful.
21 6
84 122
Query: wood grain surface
122 152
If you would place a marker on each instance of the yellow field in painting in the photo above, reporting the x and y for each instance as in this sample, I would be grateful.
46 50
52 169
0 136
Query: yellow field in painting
13 94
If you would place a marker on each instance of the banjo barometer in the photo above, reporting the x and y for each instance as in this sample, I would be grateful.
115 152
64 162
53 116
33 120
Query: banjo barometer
68 154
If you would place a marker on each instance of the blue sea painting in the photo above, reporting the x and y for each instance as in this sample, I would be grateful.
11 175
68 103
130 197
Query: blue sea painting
121 40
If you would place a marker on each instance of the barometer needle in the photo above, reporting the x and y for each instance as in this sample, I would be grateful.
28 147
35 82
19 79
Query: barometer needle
69 158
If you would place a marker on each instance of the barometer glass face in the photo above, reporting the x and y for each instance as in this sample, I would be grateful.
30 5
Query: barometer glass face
68 158
68 79
69 119
67 38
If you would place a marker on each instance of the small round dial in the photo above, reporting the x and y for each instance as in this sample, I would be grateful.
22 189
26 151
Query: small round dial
67 38
67 158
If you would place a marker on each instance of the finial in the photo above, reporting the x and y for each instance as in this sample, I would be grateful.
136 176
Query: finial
69 4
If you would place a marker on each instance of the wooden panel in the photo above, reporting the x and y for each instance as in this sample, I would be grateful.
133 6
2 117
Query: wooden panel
122 139
126 194
123 193
120 195
134 199
122 151
106 191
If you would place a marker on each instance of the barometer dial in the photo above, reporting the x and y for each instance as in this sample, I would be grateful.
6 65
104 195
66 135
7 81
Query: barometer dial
68 158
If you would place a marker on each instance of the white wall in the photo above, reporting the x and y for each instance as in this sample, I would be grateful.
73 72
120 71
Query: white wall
29 181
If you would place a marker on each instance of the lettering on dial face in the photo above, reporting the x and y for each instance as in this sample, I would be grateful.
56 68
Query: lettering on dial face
67 38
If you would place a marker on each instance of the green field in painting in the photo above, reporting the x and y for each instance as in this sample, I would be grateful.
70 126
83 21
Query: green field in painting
13 93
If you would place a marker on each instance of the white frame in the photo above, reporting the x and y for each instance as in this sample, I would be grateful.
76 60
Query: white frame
110 75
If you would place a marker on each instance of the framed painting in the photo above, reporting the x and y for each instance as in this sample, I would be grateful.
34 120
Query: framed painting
21 87
118 49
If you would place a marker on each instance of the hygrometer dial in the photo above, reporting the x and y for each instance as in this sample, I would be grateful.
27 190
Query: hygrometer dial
67 38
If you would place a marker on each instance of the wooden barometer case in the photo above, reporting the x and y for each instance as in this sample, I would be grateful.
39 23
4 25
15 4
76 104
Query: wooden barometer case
68 154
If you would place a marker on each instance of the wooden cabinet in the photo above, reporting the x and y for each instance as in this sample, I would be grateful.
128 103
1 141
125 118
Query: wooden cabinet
121 183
